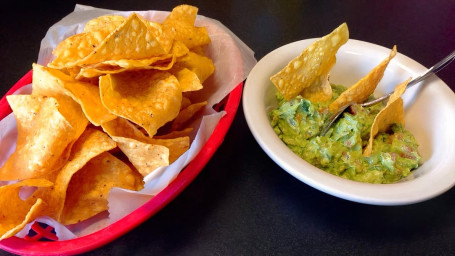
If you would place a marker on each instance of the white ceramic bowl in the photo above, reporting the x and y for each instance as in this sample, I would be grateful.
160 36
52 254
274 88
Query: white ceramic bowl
430 116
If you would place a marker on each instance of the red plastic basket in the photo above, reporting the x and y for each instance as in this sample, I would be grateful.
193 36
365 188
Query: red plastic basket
29 245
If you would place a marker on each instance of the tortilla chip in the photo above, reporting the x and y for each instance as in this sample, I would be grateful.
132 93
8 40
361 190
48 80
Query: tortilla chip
184 13
52 82
182 18
91 144
164 62
117 45
179 49
202 66
106 23
75 47
392 113
320 90
46 131
79 46
313 62
177 146
144 156
15 212
89 188
123 132
398 91
175 134
149 99
360 91
200 50
191 36
185 102
186 114
188 80
73 113
120 127
164 33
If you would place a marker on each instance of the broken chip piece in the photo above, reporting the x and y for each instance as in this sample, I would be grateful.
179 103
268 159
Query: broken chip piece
16 212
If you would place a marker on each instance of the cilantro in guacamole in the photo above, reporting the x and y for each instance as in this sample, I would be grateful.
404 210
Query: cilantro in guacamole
298 122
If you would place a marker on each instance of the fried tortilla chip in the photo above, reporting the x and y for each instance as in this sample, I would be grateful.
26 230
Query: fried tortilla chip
144 156
200 50
16 212
175 134
185 102
164 62
183 13
105 23
46 131
202 66
120 127
360 91
123 132
182 19
179 49
79 46
148 99
117 46
74 48
189 81
52 82
320 89
99 43
164 33
186 114
177 145
89 188
312 63
91 144
392 113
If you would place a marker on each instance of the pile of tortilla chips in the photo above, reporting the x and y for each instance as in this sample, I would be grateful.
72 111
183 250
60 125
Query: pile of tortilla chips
307 75
107 111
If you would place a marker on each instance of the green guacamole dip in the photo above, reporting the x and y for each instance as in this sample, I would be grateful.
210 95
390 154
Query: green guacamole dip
298 123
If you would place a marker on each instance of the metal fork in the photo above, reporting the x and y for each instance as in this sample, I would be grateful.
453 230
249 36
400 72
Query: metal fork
433 70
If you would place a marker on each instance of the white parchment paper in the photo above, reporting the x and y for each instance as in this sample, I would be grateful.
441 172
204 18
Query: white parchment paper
233 61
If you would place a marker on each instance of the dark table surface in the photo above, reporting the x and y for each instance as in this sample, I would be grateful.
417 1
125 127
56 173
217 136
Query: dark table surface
242 203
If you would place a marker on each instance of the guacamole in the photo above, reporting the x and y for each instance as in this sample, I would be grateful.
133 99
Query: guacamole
298 123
